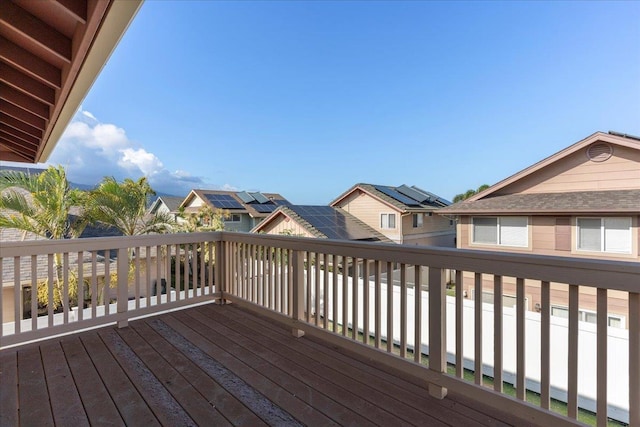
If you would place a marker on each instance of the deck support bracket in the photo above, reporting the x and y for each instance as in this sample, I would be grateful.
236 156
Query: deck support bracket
437 391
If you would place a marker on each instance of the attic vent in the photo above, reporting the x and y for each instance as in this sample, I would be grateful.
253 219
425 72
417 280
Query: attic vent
599 152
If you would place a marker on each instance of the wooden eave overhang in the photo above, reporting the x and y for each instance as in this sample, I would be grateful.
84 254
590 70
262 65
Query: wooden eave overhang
51 52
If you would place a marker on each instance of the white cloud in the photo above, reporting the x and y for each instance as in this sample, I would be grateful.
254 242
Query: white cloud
91 150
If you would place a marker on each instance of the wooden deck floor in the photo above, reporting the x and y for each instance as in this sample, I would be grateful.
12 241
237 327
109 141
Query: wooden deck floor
211 365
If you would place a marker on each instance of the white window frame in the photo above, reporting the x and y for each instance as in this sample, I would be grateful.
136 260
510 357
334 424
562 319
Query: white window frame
586 315
385 221
233 218
418 220
603 235
499 234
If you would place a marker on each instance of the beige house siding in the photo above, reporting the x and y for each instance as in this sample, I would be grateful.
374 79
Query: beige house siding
436 230
285 225
368 210
577 173
542 239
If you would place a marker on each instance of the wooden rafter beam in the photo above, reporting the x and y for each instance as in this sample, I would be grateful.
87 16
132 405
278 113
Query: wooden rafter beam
22 115
75 8
26 84
19 99
17 20
17 143
21 126
33 141
30 64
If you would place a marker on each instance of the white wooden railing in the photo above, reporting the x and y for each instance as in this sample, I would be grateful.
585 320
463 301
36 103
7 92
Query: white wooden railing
338 290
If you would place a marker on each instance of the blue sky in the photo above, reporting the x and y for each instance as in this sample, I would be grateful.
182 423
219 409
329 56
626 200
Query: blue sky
308 98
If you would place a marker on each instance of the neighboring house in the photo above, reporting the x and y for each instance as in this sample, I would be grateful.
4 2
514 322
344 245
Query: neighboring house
246 209
403 214
583 201
166 204
318 221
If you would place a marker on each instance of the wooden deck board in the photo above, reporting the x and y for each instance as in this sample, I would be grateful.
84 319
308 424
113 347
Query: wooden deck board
96 401
210 365
8 389
318 374
65 401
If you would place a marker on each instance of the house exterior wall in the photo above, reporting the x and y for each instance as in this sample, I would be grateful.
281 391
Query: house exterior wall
285 225
244 225
368 210
436 230
577 173
542 238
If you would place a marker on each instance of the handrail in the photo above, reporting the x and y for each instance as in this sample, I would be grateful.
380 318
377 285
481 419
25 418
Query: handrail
342 291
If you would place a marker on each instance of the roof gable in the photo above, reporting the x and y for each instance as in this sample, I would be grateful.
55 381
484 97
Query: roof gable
402 198
255 204
562 162
323 222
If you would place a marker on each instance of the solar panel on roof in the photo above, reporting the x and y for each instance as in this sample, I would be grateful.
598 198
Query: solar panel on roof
331 222
389 191
412 193
223 201
260 198
245 197
266 208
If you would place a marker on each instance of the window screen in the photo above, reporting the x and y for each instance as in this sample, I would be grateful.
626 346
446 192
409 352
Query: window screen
485 230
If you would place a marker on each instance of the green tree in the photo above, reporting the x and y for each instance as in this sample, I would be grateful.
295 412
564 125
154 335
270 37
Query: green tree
41 204
469 193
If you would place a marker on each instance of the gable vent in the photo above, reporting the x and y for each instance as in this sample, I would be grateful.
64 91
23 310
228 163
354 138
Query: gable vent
599 152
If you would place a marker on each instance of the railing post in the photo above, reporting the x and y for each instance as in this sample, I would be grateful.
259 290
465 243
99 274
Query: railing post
220 270
123 287
437 328
298 291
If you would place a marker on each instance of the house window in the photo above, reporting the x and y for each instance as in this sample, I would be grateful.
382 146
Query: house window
613 320
387 220
417 220
604 235
501 231
233 218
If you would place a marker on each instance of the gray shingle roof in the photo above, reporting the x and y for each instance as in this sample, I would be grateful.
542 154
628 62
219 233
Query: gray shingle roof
610 201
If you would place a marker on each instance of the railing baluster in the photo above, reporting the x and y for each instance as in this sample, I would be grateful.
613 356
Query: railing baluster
211 254
123 287
1 299
107 281
298 290
437 329
378 303
270 286
317 287
365 298
545 345
354 299
478 328
520 340
203 270
308 287
148 274
497 333
389 308
178 276
137 276
572 368
459 325
290 282
50 268
263 275
601 370
17 307
80 288
65 287
417 293
403 310
94 284
34 292
345 295
634 358
166 261
325 290
334 284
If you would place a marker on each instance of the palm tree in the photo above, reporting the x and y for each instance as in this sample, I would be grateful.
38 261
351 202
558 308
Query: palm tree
123 205
41 204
